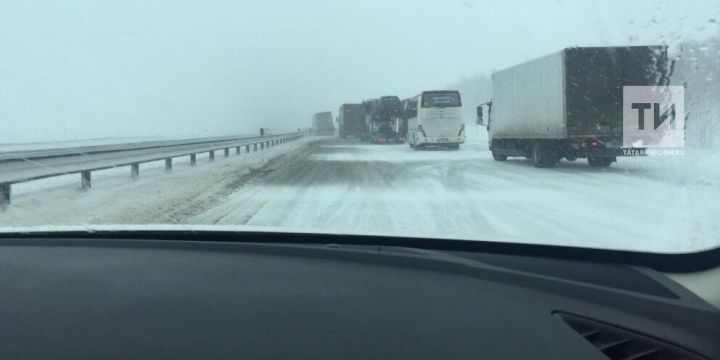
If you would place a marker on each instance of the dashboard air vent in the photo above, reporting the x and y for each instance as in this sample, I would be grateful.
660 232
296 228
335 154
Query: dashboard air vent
618 343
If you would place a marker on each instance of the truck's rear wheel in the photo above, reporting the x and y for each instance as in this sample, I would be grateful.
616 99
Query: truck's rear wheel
411 145
544 155
600 161
499 157
453 146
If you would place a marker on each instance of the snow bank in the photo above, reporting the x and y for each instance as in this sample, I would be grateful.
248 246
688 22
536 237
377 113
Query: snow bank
156 197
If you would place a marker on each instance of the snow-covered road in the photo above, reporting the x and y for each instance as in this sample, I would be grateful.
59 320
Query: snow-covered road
666 204
349 187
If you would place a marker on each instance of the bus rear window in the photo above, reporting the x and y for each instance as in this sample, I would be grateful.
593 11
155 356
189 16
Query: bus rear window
441 99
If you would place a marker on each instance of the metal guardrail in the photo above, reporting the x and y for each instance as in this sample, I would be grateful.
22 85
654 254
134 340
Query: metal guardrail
22 166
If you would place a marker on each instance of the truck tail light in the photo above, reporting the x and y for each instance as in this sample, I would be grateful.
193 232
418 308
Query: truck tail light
593 143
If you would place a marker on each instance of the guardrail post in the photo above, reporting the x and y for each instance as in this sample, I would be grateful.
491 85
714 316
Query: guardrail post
193 159
227 152
212 155
85 180
168 164
134 170
237 150
247 148
5 192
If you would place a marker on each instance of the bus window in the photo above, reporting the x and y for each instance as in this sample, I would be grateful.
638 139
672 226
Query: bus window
441 99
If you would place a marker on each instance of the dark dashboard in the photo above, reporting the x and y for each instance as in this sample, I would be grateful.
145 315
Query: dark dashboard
138 296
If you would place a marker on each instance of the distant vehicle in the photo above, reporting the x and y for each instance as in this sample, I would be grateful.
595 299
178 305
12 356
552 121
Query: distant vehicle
323 124
382 119
436 120
569 104
351 121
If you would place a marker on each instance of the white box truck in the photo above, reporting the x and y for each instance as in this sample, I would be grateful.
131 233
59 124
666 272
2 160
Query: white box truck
570 104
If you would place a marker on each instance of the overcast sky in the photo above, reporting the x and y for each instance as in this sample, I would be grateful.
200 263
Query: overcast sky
93 68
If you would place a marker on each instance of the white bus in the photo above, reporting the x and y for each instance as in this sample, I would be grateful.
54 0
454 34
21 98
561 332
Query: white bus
437 121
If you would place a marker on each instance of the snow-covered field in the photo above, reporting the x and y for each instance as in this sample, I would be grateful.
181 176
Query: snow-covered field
667 204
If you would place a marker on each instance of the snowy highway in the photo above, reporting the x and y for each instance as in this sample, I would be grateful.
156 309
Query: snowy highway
350 187
332 185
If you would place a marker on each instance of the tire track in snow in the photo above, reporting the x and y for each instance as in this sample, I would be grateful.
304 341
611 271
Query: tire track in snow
343 186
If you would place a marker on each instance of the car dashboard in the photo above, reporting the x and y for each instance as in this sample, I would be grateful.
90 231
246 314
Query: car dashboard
316 297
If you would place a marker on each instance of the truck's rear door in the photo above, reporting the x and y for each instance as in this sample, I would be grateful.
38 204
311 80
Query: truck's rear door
594 86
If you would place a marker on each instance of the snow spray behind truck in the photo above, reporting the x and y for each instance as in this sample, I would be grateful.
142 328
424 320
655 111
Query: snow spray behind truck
570 104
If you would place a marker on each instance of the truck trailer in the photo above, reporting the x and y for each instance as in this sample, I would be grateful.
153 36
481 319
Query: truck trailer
323 124
351 121
570 104
382 120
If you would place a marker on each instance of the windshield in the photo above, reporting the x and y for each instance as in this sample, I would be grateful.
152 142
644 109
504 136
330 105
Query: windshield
591 124
441 99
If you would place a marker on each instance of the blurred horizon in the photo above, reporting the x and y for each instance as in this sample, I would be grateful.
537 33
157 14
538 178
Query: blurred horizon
115 69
